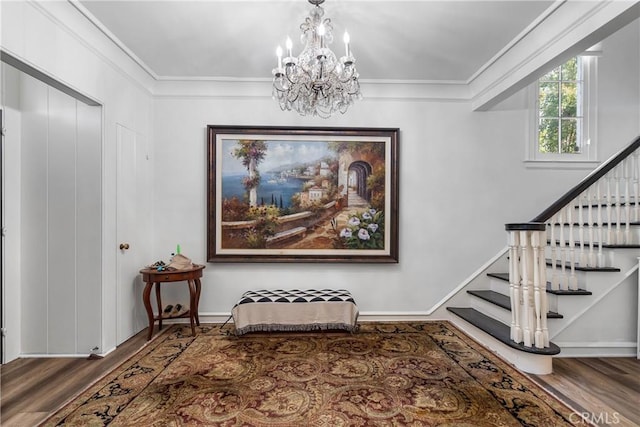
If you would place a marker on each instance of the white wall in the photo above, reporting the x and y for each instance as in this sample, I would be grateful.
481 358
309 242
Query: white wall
619 88
461 179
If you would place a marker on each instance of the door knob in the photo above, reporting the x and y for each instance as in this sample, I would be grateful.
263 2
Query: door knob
124 246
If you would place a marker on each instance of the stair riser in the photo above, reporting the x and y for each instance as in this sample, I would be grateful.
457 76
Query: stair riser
568 305
613 236
563 279
499 286
491 310
558 303
624 259
587 257
503 287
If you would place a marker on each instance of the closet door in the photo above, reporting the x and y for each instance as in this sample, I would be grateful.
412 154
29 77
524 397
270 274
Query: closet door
33 260
61 217
61 224
2 309
11 213
89 228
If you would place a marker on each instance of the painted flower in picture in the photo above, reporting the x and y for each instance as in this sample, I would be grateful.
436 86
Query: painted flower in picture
346 233
364 230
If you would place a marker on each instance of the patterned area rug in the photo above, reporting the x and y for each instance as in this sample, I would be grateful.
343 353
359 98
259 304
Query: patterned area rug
400 374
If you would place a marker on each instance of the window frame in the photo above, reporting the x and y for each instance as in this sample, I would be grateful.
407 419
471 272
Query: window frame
588 131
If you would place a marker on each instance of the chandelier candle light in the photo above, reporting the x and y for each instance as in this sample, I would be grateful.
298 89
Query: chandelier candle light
316 82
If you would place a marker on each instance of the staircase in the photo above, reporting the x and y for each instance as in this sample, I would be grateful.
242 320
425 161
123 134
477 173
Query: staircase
561 272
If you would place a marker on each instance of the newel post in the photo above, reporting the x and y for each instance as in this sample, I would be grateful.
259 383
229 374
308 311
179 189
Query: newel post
528 283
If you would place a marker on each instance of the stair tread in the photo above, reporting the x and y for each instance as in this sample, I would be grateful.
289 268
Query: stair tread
504 301
498 330
567 291
595 224
613 204
578 267
493 297
604 245
505 277
501 276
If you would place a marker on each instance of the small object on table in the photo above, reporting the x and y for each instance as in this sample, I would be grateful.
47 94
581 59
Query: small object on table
151 276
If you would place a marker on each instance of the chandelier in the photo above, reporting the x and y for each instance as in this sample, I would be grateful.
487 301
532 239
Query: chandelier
316 82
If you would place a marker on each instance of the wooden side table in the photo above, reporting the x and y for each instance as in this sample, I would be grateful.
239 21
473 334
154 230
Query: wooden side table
152 276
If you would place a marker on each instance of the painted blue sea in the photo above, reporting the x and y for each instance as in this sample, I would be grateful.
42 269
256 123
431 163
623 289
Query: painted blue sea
271 189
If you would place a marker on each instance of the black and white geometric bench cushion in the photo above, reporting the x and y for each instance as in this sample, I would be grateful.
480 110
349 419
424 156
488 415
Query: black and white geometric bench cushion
295 310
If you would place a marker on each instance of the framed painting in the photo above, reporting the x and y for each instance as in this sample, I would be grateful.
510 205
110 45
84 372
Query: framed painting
297 194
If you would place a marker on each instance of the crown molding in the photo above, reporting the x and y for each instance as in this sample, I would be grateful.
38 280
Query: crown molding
112 37
545 41
66 19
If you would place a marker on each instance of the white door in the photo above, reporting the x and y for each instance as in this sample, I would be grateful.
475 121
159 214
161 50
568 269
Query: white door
11 226
128 292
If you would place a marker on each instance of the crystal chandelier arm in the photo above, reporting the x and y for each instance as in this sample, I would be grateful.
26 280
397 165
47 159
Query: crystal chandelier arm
346 44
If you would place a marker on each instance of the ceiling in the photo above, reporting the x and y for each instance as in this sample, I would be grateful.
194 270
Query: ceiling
393 40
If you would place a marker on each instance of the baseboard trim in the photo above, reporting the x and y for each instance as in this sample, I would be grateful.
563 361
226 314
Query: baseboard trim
44 356
600 349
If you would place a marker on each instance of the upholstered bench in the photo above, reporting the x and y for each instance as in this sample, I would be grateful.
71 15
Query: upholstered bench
295 310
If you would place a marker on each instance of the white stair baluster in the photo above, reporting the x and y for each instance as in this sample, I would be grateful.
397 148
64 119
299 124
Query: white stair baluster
600 231
610 239
627 202
537 289
618 198
564 278
591 262
544 308
636 186
583 254
514 286
555 278
573 280
525 265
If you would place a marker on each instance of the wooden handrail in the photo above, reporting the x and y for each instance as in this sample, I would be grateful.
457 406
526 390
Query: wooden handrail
588 181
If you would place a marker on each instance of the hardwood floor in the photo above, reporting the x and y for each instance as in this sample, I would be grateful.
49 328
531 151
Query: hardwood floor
33 388
604 390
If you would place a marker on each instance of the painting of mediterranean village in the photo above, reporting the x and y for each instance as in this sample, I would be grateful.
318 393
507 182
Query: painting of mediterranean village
300 195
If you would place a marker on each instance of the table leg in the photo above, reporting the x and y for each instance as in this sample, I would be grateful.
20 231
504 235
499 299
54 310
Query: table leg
192 305
159 300
198 288
147 305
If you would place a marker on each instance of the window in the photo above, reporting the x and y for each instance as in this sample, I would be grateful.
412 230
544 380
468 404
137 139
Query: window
563 126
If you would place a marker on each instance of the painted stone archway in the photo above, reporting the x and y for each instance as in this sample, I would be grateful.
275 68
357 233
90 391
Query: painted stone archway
358 194
352 180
